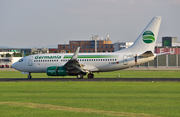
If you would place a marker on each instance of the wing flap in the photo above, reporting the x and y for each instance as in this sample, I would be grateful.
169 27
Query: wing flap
91 68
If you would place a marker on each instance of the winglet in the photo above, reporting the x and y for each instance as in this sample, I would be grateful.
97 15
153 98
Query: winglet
75 55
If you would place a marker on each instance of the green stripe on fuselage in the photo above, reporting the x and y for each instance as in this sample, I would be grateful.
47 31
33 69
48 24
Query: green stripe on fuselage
91 56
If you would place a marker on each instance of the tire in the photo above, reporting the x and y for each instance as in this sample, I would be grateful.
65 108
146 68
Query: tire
29 76
90 76
80 76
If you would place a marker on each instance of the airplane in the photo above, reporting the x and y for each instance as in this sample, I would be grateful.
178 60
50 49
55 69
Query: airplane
80 64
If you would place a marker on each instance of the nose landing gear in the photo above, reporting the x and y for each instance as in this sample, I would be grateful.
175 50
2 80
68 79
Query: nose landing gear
29 76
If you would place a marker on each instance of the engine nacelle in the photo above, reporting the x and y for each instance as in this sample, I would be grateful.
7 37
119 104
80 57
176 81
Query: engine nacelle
56 71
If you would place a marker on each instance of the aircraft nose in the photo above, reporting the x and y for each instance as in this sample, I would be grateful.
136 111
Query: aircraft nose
14 65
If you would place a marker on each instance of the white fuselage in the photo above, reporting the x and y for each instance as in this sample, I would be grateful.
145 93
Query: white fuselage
102 61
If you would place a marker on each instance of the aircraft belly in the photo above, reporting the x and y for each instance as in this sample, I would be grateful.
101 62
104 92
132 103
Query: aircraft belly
37 68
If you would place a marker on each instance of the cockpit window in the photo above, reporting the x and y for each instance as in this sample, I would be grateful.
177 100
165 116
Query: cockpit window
20 60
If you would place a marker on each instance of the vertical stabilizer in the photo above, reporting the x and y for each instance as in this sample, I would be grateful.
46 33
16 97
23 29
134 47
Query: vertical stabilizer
147 39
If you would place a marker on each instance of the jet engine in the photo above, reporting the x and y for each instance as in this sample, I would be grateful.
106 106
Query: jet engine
56 71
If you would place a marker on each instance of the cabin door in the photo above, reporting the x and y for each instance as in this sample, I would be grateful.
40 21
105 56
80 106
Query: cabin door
125 62
30 61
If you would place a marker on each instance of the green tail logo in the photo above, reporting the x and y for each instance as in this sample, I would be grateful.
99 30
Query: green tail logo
148 37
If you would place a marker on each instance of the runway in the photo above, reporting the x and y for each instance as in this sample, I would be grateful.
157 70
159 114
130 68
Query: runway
90 80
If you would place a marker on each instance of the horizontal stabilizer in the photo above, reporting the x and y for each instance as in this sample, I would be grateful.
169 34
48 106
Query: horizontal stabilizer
162 53
147 54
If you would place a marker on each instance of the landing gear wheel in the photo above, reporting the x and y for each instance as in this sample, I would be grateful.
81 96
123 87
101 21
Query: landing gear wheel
29 76
90 75
80 76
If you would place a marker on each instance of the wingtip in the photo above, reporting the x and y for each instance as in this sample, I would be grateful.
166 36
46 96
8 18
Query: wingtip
75 55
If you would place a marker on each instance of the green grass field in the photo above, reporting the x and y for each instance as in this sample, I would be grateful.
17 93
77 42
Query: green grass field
89 99
114 74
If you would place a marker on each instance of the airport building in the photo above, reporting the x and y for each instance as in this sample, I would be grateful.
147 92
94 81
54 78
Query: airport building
122 45
86 46
7 55
172 59
6 62
27 51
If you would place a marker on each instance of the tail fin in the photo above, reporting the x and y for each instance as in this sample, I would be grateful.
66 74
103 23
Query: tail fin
147 39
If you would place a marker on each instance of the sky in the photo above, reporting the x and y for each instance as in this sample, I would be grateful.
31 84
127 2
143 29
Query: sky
47 23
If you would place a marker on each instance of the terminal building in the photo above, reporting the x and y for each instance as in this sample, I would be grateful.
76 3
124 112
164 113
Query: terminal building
86 46
122 45
8 61
26 51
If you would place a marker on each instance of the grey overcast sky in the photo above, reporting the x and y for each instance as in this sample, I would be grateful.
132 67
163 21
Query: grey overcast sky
40 23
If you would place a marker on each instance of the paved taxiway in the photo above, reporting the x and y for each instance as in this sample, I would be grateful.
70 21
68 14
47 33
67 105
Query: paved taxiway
86 79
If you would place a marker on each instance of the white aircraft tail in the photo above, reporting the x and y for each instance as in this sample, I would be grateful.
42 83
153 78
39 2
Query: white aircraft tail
147 39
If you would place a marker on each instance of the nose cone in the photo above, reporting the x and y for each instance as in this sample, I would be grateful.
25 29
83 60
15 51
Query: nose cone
14 65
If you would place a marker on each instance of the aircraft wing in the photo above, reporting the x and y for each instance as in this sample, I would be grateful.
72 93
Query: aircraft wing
74 64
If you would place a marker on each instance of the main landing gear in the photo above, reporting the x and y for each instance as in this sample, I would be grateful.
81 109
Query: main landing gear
90 75
29 76
80 76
